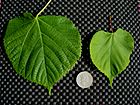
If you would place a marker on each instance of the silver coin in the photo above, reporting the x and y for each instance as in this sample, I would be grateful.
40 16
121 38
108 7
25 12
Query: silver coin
84 79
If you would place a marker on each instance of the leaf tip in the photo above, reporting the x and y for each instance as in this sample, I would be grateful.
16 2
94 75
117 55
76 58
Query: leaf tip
49 90
111 82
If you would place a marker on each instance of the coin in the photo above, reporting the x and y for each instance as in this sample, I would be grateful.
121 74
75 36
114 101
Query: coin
84 79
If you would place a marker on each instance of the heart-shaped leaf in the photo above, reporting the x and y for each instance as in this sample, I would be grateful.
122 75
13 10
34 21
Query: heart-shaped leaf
42 49
110 52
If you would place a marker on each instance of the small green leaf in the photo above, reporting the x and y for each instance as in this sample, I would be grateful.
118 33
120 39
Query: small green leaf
110 52
42 49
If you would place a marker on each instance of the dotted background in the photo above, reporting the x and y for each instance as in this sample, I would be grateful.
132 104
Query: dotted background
89 16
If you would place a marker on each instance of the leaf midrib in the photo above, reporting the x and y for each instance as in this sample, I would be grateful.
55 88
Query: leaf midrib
36 19
110 50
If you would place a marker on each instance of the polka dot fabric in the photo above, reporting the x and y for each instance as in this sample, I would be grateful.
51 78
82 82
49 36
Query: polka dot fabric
89 16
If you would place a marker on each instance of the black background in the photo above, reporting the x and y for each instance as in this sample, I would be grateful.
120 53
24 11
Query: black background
89 16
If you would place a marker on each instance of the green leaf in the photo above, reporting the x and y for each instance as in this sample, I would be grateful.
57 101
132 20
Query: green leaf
110 52
42 49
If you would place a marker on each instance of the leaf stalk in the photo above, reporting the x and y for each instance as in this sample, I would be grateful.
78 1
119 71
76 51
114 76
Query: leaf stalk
110 24
43 8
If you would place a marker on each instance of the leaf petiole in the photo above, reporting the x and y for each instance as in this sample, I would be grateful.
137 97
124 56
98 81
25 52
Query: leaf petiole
110 23
43 8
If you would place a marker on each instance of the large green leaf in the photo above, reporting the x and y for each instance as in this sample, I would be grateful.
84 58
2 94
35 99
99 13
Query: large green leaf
42 49
110 52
